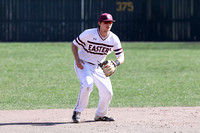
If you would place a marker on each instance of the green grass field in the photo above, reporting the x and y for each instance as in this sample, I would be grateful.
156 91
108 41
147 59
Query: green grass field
41 75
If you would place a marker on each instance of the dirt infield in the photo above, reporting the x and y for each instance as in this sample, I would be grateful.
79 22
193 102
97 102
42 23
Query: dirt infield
137 120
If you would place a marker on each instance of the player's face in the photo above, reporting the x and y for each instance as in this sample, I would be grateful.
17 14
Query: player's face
106 25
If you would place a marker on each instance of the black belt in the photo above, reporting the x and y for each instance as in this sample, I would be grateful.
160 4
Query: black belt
90 63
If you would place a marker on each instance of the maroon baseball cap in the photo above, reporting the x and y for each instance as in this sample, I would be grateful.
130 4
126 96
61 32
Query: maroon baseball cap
106 17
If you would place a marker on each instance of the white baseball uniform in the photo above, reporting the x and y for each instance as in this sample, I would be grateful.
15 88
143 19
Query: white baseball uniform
93 49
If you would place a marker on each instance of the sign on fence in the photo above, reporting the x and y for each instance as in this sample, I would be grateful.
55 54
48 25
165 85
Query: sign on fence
63 20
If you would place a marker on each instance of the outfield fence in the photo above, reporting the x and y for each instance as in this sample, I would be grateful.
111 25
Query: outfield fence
63 20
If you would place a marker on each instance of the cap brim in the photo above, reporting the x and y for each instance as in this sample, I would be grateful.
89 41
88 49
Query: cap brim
110 20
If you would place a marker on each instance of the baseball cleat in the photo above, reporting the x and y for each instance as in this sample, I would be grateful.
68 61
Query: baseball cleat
76 117
104 118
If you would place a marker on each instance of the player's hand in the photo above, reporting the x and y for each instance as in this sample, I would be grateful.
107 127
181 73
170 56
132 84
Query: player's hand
79 63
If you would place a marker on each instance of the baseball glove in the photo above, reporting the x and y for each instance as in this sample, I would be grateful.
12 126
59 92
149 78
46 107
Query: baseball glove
109 67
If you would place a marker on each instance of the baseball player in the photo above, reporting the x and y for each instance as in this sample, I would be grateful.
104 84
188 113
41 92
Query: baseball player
90 49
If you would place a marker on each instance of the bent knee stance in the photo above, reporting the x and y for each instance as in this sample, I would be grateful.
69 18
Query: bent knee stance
106 95
109 94
87 84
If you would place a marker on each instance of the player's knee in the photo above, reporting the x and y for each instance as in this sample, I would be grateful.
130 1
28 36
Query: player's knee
109 94
87 84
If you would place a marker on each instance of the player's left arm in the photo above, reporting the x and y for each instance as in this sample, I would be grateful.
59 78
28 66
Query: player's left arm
119 53
109 66
120 59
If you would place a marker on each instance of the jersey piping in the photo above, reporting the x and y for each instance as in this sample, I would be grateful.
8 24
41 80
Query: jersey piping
102 38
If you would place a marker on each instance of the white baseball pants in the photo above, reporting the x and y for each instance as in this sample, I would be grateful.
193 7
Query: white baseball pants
93 74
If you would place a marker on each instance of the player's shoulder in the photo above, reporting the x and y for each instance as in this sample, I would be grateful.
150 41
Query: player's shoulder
90 31
113 35
87 34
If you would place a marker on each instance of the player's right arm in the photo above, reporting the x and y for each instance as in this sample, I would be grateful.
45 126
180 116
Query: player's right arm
76 56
